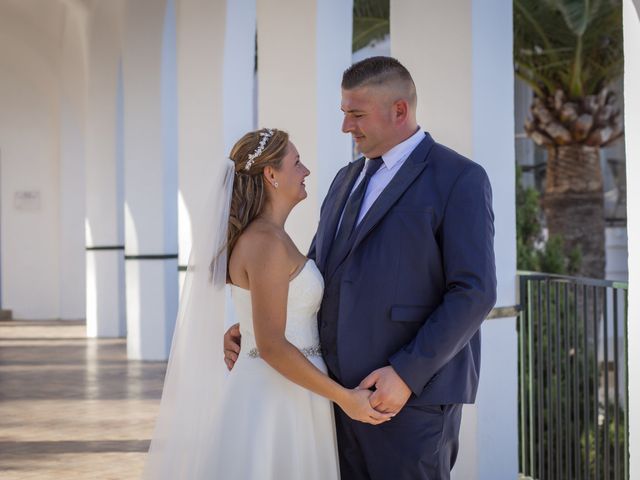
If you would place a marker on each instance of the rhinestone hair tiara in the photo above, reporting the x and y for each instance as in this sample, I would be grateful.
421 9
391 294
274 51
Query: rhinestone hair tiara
265 136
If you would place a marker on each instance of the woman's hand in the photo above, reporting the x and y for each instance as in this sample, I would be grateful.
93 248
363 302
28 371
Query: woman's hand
355 403
231 345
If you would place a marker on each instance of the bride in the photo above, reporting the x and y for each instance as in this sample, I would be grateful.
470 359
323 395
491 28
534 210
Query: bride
271 417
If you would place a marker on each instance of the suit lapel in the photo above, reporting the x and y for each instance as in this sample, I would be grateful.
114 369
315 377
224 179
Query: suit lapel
413 166
335 204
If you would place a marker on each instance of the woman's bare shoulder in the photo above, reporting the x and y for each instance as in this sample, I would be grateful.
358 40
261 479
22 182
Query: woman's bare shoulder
260 237
261 245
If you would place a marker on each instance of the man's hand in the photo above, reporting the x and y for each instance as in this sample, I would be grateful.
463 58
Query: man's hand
391 392
231 345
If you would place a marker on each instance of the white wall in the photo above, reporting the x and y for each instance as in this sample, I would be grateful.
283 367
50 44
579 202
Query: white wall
29 127
287 88
617 254
41 153
299 91
440 61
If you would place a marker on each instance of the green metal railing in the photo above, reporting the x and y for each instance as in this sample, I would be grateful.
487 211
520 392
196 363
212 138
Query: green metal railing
572 364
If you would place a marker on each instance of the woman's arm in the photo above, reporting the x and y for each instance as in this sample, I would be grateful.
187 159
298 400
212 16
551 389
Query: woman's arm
268 271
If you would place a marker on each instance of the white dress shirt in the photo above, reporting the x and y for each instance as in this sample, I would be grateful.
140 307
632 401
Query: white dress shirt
391 163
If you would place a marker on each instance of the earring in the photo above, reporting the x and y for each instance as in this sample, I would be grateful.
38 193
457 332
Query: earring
275 184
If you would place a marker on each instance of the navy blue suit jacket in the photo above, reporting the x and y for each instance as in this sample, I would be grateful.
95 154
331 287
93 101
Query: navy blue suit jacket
420 277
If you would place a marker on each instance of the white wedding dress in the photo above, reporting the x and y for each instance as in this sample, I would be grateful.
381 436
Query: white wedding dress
267 427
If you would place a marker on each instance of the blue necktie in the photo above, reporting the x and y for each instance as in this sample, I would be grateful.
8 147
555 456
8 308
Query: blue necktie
344 239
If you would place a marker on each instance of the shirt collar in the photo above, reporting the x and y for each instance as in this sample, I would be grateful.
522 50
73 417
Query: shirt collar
402 150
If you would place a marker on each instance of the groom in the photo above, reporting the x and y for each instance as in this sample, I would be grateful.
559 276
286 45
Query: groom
405 245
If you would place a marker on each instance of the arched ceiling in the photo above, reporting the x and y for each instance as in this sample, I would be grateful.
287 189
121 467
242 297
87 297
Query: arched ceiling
39 25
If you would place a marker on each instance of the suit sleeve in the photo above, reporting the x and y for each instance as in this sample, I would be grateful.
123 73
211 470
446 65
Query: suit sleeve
466 242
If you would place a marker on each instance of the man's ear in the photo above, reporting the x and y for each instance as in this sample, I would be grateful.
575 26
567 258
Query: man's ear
400 111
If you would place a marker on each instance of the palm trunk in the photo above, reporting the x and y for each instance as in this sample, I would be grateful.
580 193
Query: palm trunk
573 203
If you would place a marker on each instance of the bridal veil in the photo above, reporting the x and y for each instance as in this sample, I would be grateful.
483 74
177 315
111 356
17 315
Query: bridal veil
196 370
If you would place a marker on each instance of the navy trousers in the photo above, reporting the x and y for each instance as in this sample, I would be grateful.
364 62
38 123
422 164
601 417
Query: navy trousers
419 443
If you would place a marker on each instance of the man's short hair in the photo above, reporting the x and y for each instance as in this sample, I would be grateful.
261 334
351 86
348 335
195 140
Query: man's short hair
377 71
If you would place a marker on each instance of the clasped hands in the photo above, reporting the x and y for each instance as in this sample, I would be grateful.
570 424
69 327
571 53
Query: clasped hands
390 393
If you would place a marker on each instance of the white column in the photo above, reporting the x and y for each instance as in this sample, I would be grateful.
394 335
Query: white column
239 71
299 72
201 152
71 179
461 61
150 186
104 221
631 28
494 148
239 83
334 40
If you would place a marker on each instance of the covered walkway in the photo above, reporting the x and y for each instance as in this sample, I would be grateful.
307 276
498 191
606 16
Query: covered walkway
72 407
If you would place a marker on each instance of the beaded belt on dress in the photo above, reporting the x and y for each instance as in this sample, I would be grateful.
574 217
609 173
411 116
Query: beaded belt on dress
306 351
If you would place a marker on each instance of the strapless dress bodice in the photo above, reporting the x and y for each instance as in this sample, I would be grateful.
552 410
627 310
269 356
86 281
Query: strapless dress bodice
303 303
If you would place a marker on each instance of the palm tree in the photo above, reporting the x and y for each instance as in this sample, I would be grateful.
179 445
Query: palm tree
570 52
370 21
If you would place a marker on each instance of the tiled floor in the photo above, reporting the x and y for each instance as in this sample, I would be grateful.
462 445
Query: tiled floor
72 407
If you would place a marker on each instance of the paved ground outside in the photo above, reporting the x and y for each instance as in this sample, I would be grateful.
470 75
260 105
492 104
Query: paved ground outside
72 407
